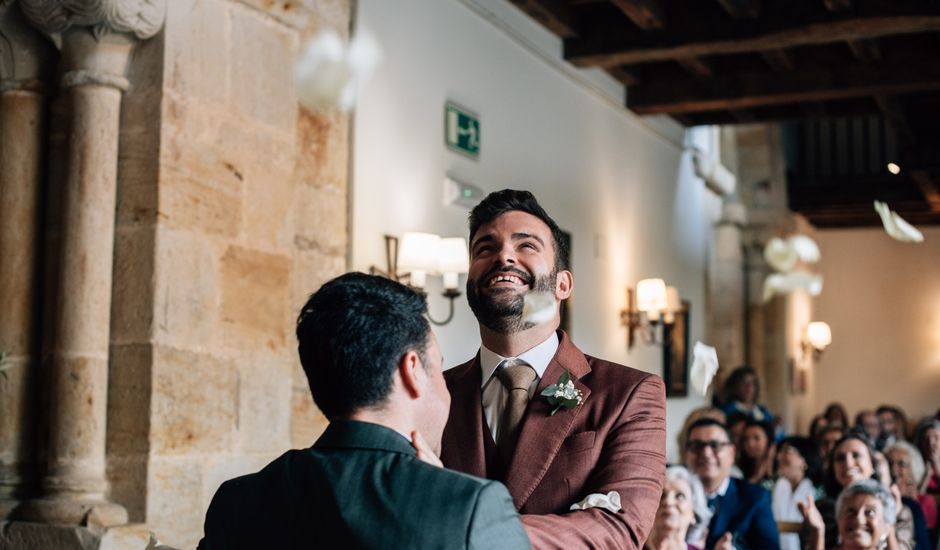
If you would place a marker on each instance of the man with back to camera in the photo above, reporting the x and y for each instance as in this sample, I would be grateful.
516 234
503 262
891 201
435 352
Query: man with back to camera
742 516
374 369
606 452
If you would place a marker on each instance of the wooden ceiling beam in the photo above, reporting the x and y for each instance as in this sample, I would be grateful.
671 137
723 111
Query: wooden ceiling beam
609 46
670 96
626 76
554 15
697 67
646 14
741 9
866 51
778 60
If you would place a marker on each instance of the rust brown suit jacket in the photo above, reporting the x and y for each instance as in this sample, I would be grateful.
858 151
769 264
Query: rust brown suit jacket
615 440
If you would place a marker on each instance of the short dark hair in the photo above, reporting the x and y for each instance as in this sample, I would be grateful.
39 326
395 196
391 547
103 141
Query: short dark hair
807 449
498 203
351 336
705 422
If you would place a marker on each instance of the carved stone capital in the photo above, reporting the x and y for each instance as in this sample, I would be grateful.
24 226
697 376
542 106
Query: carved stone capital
25 54
139 18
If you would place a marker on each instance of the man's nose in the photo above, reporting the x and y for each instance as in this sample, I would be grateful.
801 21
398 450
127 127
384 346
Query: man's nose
506 255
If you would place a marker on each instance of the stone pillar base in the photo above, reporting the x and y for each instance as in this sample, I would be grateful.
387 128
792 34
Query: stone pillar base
19 535
94 514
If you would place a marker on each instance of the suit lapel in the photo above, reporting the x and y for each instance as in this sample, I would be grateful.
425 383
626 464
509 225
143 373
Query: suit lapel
541 435
726 510
464 449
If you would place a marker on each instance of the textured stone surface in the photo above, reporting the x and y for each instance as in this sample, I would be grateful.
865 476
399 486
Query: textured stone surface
307 422
187 295
194 403
174 512
200 73
323 155
264 404
132 313
255 314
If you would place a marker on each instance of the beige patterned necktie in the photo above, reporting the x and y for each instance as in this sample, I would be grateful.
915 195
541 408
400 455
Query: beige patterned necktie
516 376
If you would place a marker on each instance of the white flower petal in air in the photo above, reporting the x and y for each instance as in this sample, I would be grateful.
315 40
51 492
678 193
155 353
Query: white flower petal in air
328 73
780 254
704 367
609 502
805 248
897 227
538 307
784 283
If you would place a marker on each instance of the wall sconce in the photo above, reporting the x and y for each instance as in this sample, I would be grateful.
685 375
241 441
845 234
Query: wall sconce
817 338
651 303
418 255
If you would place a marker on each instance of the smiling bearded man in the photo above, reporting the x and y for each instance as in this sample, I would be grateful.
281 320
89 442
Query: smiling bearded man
598 445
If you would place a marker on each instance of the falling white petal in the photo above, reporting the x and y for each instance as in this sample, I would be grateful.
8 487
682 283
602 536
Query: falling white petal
784 283
609 502
328 73
780 254
897 227
704 367
805 248
538 307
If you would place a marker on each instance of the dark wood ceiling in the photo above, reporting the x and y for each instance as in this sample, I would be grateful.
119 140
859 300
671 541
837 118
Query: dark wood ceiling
858 80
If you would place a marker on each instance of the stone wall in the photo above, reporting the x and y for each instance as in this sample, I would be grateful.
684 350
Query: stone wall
232 209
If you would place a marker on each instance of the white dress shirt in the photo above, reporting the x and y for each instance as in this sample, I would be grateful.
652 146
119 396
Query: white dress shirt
494 393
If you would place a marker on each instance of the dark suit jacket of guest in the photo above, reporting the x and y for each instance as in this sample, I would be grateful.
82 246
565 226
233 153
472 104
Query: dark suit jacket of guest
360 486
745 512
613 441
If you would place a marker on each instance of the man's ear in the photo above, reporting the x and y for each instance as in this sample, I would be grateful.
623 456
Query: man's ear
564 284
411 380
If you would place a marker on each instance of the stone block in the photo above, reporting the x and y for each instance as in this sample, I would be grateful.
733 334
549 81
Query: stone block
125 537
312 268
174 500
264 405
269 196
129 394
307 422
297 14
321 219
133 291
127 474
262 57
186 299
21 535
221 468
194 402
198 49
212 206
323 148
255 293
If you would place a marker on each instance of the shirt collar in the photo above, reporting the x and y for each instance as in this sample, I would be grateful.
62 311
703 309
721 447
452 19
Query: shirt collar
538 358
722 489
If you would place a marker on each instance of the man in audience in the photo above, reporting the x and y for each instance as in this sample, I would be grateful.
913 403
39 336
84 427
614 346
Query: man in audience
374 369
743 517
867 426
603 448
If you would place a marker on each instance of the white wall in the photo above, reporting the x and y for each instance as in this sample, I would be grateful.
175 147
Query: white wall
882 300
623 187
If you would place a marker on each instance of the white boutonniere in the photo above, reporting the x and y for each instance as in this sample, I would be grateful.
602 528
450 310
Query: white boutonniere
562 393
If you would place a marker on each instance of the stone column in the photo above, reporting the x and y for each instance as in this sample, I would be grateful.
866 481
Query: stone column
94 60
725 290
22 112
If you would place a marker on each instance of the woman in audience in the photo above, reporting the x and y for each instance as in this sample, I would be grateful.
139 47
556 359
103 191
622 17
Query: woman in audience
799 473
756 453
683 515
742 391
851 461
836 415
908 472
927 440
866 514
817 425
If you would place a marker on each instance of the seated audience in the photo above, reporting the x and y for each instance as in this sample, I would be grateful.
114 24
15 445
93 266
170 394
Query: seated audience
867 426
742 392
817 424
908 472
682 516
706 411
927 441
756 457
742 513
836 415
370 481
799 474
865 514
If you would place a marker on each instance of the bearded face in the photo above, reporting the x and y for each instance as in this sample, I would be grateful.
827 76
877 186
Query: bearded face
496 301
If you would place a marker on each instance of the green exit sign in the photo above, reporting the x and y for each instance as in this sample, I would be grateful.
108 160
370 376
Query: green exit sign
461 130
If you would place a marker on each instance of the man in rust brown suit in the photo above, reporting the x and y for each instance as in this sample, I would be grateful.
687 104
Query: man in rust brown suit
605 451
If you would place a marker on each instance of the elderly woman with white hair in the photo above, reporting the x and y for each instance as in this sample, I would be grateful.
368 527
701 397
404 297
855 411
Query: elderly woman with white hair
866 513
908 472
683 515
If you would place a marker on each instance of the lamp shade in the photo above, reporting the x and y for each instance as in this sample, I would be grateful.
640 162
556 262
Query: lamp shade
818 335
651 295
417 254
453 259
